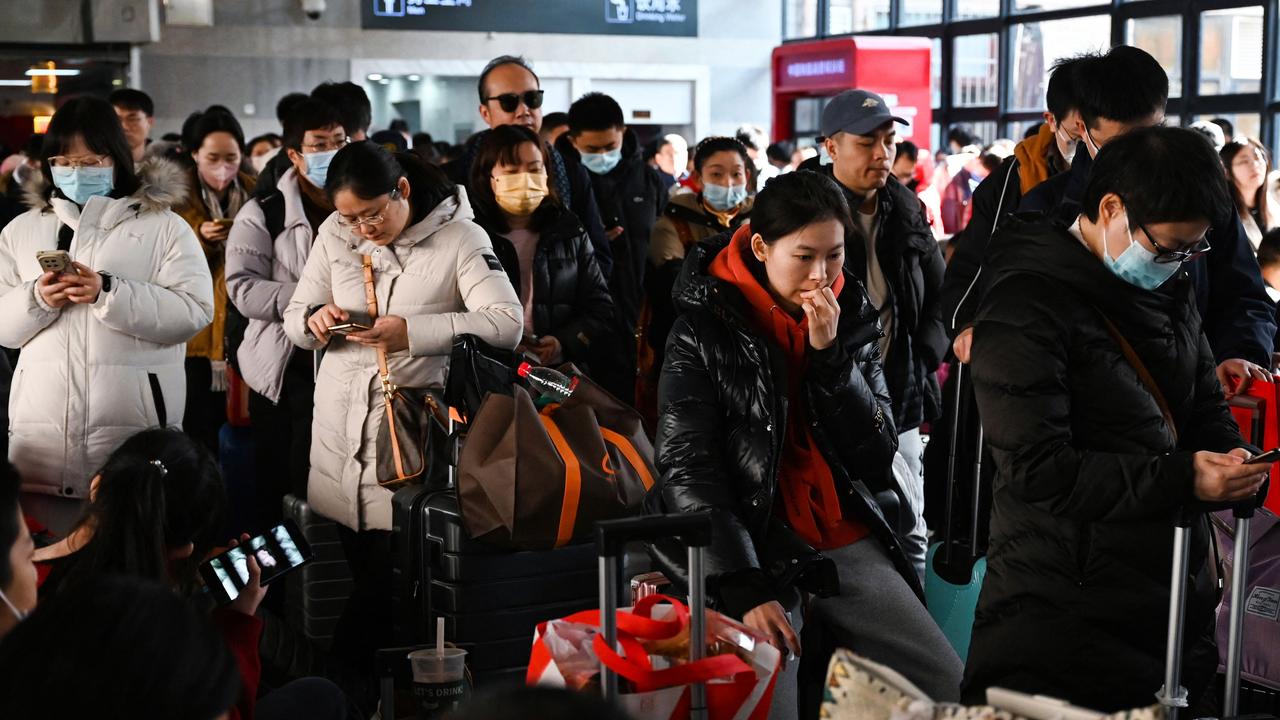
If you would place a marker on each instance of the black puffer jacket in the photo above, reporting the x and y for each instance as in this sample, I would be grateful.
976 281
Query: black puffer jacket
723 407
914 268
1075 603
570 299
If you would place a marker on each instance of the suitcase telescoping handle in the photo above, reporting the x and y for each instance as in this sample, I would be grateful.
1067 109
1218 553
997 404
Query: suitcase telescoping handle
612 536
1173 696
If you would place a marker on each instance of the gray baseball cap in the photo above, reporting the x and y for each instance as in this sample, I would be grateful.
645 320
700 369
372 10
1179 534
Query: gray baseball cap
858 112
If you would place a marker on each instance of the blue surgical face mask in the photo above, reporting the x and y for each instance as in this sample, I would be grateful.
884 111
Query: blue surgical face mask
81 183
724 197
824 157
1137 265
602 163
318 166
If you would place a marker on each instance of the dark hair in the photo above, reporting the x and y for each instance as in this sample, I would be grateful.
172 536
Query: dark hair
201 125
990 161
399 125
308 114
555 119
369 171
119 647
962 136
1060 93
1228 129
95 121
796 200
351 102
1124 85
10 523
131 99
751 136
1269 248
286 103
1163 174
543 703
498 62
33 145
595 111
909 150
158 491
272 138
423 138
172 137
1228 154
717 144
781 151
501 146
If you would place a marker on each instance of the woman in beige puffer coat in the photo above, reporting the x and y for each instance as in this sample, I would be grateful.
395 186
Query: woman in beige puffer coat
436 277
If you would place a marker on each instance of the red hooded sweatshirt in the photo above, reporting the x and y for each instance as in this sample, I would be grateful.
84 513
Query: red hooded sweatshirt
809 504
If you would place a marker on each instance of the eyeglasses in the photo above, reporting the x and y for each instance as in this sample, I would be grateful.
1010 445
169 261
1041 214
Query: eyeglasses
373 220
1165 255
510 101
93 161
326 146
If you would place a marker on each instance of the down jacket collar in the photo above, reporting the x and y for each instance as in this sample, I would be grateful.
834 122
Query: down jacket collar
451 210
163 186
696 288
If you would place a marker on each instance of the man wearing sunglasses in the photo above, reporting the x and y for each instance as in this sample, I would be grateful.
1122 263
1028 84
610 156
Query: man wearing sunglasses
510 94
1118 92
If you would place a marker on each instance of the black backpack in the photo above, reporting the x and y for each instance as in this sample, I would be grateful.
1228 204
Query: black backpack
272 206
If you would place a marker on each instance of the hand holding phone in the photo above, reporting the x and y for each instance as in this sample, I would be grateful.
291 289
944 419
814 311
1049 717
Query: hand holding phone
1266 458
54 261
249 564
347 328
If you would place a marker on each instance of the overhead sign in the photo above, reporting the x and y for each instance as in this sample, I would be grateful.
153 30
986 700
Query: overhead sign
597 17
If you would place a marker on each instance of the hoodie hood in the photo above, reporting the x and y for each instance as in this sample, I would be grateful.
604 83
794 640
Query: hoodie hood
1038 159
701 287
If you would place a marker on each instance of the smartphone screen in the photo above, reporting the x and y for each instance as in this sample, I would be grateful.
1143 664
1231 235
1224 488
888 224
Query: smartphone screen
277 551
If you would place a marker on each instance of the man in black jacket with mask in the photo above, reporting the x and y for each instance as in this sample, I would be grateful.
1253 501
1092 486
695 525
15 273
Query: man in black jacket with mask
897 259
630 197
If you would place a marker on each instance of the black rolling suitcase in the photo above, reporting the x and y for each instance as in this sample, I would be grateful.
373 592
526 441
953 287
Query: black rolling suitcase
1173 696
490 598
316 593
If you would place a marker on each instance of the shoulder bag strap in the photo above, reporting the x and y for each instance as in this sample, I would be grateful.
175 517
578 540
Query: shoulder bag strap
371 299
1143 374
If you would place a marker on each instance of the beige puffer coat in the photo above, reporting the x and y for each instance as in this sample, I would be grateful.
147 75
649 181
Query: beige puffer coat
442 276
91 376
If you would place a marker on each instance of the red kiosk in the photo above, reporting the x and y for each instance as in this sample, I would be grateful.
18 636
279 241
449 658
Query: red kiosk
896 68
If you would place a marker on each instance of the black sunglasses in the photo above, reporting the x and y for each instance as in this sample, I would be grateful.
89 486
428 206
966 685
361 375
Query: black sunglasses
510 101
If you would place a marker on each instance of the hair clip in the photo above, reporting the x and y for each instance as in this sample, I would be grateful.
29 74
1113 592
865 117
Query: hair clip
160 466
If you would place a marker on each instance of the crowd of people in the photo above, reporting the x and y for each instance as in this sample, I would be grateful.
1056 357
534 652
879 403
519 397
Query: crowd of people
777 315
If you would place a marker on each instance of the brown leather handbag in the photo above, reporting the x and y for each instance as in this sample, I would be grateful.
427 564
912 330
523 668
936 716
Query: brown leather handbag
412 446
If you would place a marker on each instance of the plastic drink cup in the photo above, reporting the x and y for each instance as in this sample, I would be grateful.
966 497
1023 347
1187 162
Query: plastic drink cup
439 680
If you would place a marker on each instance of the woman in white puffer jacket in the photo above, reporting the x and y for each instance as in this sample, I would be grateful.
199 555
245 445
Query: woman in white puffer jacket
435 277
103 343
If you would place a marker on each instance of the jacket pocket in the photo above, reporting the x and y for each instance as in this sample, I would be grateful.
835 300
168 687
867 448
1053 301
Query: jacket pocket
157 400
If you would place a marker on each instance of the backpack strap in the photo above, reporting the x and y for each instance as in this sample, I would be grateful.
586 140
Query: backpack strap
1143 374
272 206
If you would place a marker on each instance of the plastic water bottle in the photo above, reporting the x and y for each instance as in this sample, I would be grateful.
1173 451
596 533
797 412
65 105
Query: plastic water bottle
552 384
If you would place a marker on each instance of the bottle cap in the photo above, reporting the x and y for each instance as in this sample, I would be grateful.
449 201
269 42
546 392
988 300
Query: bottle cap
523 370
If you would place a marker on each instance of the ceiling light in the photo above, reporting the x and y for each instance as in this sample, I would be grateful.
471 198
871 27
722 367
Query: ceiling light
374 77
384 81
46 72
415 78
15 83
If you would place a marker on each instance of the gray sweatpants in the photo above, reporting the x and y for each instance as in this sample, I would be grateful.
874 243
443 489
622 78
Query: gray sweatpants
875 615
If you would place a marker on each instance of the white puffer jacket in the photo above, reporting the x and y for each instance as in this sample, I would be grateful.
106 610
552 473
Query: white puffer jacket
91 376
442 276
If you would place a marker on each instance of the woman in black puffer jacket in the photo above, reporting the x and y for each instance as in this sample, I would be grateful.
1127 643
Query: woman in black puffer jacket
543 248
1090 473
775 416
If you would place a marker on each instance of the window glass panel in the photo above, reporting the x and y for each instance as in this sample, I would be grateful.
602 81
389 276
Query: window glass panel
977 77
1018 130
985 131
1045 5
1162 37
935 72
972 9
1037 46
1245 124
849 16
920 12
801 19
1231 51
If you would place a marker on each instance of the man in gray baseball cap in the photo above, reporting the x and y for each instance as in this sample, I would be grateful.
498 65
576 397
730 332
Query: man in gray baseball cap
899 263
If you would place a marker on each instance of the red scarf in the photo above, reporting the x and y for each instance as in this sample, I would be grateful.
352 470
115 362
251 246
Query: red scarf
810 504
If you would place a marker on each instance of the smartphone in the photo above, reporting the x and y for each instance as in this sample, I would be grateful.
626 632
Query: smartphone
348 328
224 222
1265 458
58 261
277 551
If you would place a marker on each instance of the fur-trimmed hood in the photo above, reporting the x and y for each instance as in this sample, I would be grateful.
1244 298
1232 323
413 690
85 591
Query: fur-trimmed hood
164 186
